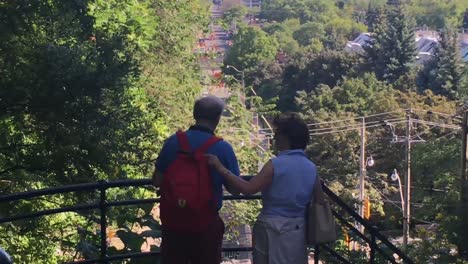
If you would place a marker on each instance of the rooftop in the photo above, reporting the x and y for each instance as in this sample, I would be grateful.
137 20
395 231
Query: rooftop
426 44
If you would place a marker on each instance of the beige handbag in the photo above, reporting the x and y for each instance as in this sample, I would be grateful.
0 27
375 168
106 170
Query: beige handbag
321 227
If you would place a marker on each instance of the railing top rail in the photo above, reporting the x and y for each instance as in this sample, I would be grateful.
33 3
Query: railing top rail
93 206
49 191
142 182
80 187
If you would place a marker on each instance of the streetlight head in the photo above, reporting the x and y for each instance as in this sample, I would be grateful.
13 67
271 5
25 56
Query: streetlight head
228 66
370 162
394 175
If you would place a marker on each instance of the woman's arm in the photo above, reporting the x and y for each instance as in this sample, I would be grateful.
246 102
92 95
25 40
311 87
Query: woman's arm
255 185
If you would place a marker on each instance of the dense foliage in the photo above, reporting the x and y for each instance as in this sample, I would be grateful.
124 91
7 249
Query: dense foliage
85 91
392 52
89 90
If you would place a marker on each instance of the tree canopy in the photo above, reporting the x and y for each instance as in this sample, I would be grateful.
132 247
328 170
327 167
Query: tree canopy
84 95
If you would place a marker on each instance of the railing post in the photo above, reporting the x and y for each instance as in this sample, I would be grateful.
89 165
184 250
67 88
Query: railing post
103 211
316 254
372 248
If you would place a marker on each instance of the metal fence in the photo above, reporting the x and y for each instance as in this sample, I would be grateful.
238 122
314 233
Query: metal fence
377 242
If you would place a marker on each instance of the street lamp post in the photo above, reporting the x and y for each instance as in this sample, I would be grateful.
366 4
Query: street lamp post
239 71
251 89
407 139
396 177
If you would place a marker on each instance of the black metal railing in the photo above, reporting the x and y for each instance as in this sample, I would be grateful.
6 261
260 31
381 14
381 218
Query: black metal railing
103 205
372 231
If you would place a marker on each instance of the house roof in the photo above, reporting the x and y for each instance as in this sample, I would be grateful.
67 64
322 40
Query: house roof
426 44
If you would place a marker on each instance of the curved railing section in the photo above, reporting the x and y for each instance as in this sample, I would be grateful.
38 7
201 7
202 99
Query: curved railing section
377 242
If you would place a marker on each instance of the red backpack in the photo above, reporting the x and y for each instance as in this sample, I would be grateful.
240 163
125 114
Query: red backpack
187 200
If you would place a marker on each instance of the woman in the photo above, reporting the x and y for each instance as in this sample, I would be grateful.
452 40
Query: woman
286 183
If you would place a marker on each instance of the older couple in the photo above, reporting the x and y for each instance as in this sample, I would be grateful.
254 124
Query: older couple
286 183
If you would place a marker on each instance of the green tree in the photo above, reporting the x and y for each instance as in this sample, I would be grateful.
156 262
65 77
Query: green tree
465 20
448 72
306 73
267 80
235 14
309 32
463 91
373 17
436 189
392 52
83 97
304 10
339 30
250 47
437 14
284 32
335 146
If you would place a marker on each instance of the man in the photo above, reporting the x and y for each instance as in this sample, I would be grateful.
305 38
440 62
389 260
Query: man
197 247
4 257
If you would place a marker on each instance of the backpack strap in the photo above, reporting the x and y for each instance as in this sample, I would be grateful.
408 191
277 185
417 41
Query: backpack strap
183 141
205 146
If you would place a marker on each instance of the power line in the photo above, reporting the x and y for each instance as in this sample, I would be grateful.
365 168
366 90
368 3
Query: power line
441 137
423 188
330 130
357 125
355 118
433 112
384 196
379 114
318 131
415 204
373 182
395 203
423 221
435 124
350 129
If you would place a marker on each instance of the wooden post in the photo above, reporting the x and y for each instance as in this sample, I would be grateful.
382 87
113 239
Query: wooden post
407 205
463 203
362 172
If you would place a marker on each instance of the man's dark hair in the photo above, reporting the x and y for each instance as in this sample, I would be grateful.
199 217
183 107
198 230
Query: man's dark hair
292 126
208 108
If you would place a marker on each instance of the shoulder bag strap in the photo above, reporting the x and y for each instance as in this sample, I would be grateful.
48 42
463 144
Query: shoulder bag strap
319 196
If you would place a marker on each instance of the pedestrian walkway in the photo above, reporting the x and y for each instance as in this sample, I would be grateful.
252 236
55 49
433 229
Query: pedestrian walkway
213 49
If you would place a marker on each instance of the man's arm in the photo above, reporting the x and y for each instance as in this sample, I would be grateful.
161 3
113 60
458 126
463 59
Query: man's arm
162 162
157 178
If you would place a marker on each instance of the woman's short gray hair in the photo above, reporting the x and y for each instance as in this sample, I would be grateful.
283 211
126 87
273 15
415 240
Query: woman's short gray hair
208 108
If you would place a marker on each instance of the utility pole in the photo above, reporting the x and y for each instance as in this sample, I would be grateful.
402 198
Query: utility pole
463 204
243 80
407 205
362 172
